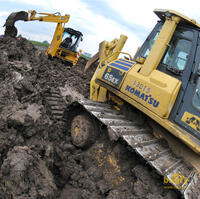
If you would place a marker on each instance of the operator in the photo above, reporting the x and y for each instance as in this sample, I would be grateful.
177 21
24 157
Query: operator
68 41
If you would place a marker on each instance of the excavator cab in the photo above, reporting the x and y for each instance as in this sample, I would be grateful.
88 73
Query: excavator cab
71 39
67 49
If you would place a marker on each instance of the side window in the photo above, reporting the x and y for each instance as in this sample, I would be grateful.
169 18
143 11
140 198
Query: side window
181 60
196 98
176 55
149 42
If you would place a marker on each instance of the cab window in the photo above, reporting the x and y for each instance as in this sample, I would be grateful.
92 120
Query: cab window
66 35
149 42
176 55
196 98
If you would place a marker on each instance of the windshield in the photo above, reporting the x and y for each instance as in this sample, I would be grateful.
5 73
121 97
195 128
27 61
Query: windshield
67 35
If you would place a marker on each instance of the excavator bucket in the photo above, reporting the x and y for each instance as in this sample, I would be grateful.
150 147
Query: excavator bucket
10 29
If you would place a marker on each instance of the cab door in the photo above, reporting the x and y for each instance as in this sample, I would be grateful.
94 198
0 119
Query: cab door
181 61
188 113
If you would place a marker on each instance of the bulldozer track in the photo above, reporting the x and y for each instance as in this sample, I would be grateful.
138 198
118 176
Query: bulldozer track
140 138
55 105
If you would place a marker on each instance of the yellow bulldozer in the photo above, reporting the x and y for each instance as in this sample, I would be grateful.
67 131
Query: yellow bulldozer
65 42
150 101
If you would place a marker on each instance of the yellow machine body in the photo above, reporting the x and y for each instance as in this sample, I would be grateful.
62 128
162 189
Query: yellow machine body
157 92
55 49
140 83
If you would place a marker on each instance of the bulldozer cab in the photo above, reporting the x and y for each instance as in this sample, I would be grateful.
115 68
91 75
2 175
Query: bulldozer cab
181 61
71 39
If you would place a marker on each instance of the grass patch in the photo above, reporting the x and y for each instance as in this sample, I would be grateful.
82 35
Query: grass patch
39 43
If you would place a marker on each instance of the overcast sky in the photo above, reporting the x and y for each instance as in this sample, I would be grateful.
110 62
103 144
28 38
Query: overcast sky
98 20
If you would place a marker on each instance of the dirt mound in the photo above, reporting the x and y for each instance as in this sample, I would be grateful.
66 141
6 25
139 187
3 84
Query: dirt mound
37 158
26 175
39 72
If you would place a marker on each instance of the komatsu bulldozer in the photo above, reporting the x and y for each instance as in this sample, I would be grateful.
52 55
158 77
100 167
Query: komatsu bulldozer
151 101
65 41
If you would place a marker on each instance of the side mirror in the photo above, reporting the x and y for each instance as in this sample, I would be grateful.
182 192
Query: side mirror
140 60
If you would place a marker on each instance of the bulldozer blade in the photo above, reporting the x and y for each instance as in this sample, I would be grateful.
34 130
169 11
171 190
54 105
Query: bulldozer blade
95 57
10 29
91 61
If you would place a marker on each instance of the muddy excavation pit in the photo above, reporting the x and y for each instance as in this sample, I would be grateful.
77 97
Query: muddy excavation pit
37 157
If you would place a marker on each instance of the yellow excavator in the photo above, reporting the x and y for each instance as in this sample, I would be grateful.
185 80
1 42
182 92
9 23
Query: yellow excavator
150 101
65 41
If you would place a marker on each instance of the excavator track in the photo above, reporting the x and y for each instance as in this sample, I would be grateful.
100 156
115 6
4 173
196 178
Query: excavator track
155 151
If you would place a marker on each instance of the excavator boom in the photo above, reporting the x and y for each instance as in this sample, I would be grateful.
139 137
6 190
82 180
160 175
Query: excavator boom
11 30
48 17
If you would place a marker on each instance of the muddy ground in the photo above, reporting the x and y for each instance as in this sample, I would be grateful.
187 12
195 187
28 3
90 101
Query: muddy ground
37 157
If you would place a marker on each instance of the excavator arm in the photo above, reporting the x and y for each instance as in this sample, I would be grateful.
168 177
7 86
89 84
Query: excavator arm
48 17
32 15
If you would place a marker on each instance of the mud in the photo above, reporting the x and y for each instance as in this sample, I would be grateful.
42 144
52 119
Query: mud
37 157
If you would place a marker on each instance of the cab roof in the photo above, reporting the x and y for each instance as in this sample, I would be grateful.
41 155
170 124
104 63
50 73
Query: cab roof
73 32
161 13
